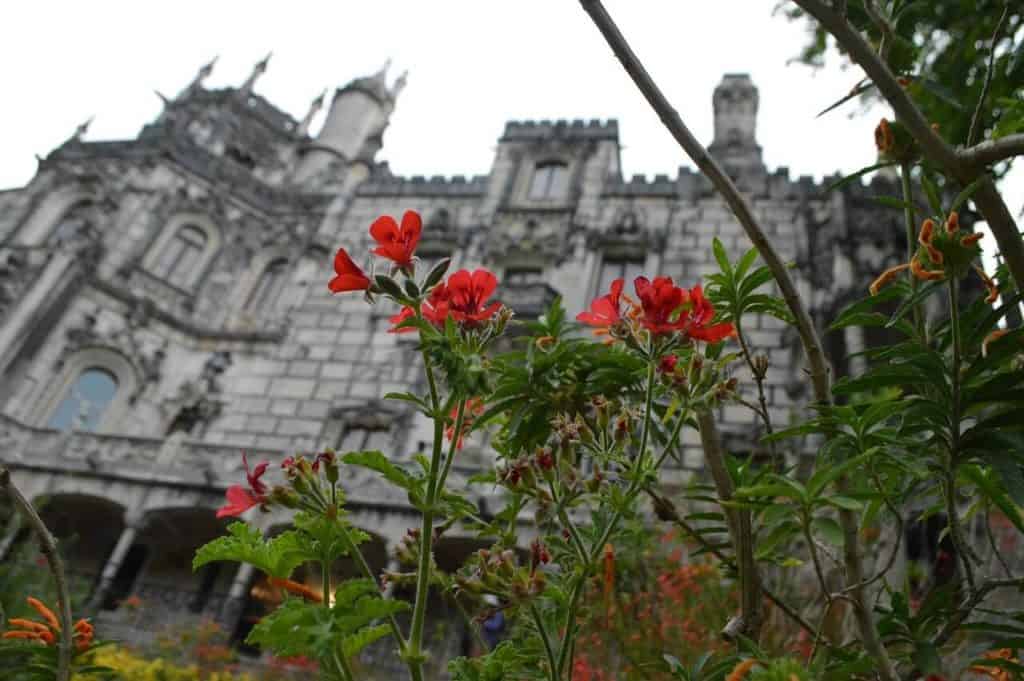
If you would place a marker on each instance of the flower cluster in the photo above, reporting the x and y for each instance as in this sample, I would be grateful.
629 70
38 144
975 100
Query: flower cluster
47 632
240 499
497 572
663 308
943 253
464 297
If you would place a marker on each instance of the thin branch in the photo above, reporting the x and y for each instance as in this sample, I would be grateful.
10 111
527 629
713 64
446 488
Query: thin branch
972 133
739 528
993 151
987 199
741 209
971 602
48 545
666 511
995 549
888 34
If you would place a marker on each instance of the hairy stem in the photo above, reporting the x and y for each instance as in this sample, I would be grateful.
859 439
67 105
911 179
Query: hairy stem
739 528
777 461
911 222
975 129
548 650
48 546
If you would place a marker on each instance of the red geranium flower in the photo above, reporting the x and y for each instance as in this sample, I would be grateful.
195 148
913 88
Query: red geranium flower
349 276
240 499
435 308
661 301
397 243
466 297
406 313
604 311
700 314
668 364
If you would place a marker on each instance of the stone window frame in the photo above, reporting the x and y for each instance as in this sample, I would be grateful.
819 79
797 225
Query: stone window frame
529 165
214 242
98 357
250 281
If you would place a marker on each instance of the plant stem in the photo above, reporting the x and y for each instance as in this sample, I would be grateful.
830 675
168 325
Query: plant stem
48 546
548 650
414 650
949 484
565 651
360 559
453 448
739 527
777 461
911 221
343 666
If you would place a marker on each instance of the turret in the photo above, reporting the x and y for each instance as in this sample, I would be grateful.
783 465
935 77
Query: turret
358 115
735 145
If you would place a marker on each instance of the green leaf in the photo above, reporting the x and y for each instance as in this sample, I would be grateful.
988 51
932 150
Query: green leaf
828 529
722 257
967 192
853 176
845 503
376 461
245 544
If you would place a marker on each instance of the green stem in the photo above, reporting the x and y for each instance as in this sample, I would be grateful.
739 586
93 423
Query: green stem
911 222
343 666
354 551
963 550
453 447
325 571
414 652
595 550
553 669
563 515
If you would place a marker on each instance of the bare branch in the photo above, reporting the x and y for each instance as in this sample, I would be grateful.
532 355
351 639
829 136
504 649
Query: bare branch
988 200
990 152
48 545
972 132
739 529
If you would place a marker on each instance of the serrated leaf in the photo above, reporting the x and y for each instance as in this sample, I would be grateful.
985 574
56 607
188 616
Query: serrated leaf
278 556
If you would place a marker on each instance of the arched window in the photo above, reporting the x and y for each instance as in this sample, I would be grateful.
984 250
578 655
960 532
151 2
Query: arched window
179 258
86 401
268 288
550 180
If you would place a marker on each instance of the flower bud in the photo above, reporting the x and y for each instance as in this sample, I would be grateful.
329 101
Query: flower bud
760 367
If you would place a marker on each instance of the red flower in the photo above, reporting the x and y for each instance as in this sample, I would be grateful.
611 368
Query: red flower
700 314
253 477
397 243
406 313
435 308
604 311
349 276
240 499
661 301
467 294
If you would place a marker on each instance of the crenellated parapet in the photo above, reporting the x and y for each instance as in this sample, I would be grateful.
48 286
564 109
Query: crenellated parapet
457 186
592 130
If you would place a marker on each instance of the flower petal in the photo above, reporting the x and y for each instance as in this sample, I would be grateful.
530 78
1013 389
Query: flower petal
384 230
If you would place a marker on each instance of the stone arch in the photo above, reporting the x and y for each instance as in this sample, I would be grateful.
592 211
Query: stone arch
126 374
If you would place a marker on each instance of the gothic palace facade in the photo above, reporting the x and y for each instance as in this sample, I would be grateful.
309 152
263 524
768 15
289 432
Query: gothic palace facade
163 307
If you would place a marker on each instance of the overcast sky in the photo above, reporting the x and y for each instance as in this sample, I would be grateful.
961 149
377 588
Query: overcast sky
473 64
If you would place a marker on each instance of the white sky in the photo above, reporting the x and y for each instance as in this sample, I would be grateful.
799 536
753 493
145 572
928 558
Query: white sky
473 65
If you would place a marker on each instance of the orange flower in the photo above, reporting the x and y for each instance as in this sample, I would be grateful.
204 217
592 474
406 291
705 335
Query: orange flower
27 635
886 278
47 614
740 671
884 139
990 285
925 239
29 625
83 635
971 239
924 274
297 589
952 222
992 338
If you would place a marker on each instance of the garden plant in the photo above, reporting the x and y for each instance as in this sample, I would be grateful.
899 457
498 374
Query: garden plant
773 571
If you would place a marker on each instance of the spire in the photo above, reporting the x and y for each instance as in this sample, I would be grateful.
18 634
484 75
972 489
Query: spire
314 108
399 85
258 70
383 73
202 74
80 131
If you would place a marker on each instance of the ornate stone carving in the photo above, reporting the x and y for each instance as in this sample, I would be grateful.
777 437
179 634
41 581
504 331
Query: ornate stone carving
627 237
526 238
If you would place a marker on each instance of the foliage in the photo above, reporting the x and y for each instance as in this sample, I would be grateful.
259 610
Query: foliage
944 46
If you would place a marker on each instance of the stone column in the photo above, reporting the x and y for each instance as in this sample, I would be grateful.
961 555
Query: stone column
231 611
133 523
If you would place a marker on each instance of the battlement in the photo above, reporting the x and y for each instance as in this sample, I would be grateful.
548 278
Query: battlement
594 129
639 185
419 185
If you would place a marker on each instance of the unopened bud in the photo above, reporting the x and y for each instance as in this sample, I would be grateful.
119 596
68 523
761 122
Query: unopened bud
760 367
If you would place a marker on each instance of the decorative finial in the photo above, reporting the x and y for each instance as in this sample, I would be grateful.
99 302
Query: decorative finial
81 130
163 98
384 69
400 83
314 107
258 70
206 69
